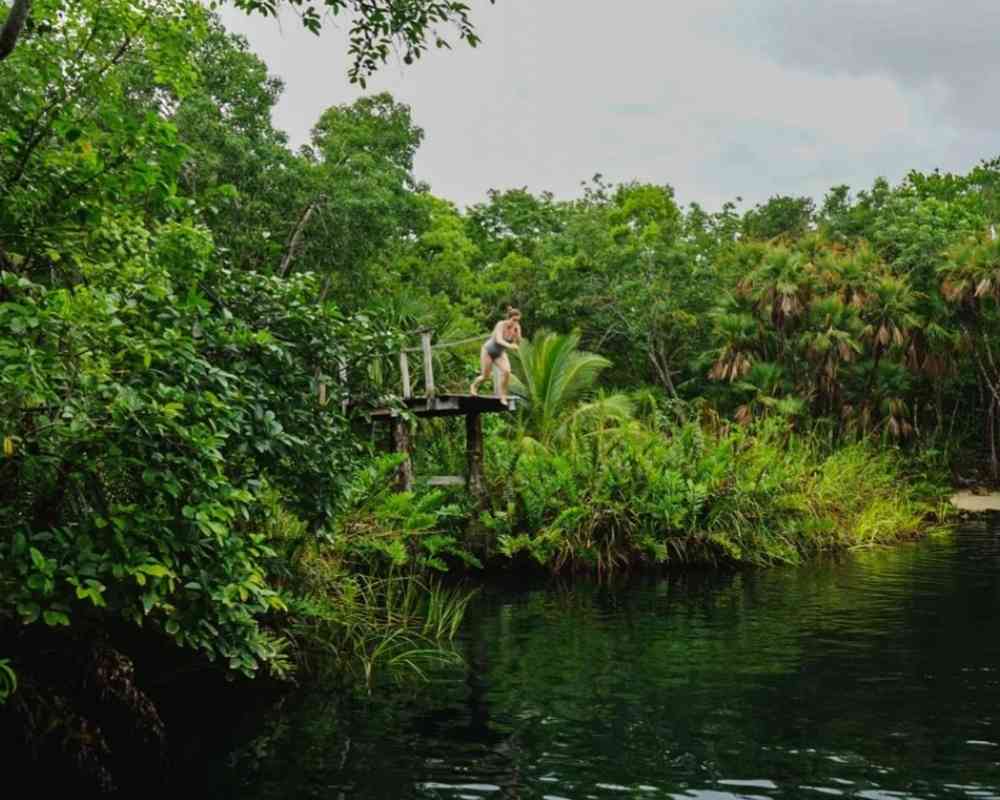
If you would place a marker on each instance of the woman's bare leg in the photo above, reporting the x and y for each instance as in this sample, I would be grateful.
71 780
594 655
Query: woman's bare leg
504 383
504 365
485 363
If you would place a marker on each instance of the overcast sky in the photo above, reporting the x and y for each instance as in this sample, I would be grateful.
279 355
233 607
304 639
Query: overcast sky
718 98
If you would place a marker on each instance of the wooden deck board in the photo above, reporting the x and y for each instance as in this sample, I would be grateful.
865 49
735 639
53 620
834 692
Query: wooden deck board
445 405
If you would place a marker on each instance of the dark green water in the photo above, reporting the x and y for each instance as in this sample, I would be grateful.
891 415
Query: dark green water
873 676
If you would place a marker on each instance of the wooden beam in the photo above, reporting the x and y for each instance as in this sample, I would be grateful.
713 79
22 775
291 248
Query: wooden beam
445 405
446 480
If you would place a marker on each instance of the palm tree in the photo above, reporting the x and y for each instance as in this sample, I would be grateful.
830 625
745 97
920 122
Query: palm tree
890 313
739 340
973 271
554 376
971 278
849 274
781 286
831 341
768 390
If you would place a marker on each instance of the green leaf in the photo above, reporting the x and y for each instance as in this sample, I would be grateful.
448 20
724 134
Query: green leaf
38 559
29 612
54 618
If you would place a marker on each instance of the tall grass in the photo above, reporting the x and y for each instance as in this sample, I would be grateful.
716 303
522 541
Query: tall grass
695 493
360 599
369 626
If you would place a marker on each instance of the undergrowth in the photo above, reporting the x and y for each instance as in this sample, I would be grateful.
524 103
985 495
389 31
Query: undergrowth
617 495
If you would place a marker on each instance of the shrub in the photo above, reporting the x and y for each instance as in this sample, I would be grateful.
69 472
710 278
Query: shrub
755 495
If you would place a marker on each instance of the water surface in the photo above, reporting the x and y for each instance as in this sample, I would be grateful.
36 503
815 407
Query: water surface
874 675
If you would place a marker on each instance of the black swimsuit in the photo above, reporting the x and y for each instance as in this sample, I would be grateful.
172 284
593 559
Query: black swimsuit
494 349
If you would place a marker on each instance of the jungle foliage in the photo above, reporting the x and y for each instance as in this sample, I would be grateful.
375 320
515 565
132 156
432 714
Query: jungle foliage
181 291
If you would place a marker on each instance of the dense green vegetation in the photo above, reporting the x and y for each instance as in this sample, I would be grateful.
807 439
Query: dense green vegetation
180 290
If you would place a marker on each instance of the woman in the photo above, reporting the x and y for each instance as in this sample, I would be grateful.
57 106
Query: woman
506 334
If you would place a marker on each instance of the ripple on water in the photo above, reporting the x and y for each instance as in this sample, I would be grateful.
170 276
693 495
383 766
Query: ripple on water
865 676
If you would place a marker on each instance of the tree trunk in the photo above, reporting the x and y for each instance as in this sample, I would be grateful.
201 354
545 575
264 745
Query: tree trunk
992 434
293 242
13 26
662 370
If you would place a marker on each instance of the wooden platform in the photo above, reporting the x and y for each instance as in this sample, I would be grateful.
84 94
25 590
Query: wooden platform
432 403
446 405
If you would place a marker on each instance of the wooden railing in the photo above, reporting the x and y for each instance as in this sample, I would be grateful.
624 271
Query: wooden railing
426 350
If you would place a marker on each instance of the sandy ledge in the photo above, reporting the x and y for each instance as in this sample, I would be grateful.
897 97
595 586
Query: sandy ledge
970 501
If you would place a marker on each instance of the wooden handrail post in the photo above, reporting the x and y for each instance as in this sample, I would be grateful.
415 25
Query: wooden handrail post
425 345
404 369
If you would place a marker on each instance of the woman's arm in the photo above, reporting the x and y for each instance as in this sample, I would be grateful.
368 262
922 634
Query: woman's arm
499 338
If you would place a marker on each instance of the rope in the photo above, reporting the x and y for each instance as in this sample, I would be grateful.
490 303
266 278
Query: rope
445 345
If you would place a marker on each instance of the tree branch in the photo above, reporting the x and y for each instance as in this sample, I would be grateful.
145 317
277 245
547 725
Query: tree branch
293 242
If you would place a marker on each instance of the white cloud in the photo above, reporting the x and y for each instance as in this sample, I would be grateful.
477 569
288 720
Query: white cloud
703 95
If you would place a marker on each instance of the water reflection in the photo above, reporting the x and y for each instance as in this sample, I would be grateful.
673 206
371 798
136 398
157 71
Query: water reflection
873 675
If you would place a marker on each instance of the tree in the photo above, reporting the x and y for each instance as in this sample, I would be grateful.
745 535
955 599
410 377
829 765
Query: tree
150 397
361 182
379 28
77 141
780 216
971 280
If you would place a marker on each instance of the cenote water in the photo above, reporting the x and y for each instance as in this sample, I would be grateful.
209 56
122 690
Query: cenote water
874 675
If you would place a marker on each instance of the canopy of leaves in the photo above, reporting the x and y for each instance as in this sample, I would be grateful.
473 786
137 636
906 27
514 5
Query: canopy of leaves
380 28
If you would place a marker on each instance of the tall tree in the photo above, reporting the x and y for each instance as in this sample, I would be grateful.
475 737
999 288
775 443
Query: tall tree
362 189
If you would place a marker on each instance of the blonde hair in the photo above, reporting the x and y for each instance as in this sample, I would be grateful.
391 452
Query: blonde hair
513 312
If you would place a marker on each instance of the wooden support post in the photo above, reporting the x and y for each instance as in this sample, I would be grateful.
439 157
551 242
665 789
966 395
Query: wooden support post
425 345
404 369
475 480
401 441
